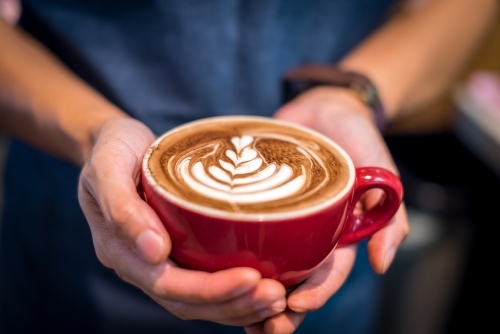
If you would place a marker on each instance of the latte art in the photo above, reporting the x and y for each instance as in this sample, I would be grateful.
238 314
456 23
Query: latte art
248 167
247 178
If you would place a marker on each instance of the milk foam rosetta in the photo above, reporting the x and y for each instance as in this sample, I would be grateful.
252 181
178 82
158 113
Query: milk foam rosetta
248 167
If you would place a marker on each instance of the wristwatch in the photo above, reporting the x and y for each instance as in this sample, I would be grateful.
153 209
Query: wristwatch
302 78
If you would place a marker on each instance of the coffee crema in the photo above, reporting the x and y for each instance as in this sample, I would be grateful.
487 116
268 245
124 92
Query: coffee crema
248 165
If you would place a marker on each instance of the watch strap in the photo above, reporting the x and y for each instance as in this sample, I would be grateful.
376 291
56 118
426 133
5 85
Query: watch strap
306 77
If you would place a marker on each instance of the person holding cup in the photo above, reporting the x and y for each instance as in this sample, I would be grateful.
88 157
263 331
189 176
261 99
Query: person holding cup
85 88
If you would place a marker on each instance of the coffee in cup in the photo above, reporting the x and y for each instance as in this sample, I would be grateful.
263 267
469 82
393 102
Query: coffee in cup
255 191
248 166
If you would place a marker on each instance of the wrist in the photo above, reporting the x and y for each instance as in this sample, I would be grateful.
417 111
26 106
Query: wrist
304 78
334 100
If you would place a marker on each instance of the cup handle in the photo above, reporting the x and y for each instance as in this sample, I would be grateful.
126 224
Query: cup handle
362 226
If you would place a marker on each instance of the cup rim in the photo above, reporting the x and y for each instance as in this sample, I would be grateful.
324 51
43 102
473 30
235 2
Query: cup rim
268 216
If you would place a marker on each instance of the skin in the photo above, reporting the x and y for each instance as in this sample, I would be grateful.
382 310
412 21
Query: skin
47 106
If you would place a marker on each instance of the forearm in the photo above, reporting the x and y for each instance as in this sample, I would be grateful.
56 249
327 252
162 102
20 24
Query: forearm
43 103
416 56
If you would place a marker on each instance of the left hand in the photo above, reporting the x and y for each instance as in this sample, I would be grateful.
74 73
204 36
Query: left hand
129 238
338 114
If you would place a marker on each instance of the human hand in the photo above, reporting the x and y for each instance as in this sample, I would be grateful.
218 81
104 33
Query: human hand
336 113
130 239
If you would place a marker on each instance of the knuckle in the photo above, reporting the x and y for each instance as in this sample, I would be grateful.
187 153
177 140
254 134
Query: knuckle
161 291
122 276
179 310
85 187
102 257
87 173
120 216
406 230
158 291
90 206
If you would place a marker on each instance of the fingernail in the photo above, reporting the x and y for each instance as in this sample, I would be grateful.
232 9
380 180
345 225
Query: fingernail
150 245
389 256
278 304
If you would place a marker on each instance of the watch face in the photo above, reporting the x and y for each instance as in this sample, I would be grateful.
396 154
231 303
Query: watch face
367 92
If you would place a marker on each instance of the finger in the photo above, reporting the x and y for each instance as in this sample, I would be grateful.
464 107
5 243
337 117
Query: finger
180 290
223 296
284 323
265 300
383 245
185 312
199 287
326 280
169 282
255 328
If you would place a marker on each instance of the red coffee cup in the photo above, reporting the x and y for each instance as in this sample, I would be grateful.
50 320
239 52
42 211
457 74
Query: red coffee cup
286 246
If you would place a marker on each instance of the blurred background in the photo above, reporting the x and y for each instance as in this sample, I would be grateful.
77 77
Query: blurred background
449 159
441 275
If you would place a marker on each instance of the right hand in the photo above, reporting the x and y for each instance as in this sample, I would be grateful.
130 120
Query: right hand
130 239
342 117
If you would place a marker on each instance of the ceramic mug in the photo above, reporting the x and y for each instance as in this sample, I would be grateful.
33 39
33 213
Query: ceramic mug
286 246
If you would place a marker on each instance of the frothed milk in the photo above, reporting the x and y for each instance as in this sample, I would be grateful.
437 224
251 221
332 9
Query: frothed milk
248 165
